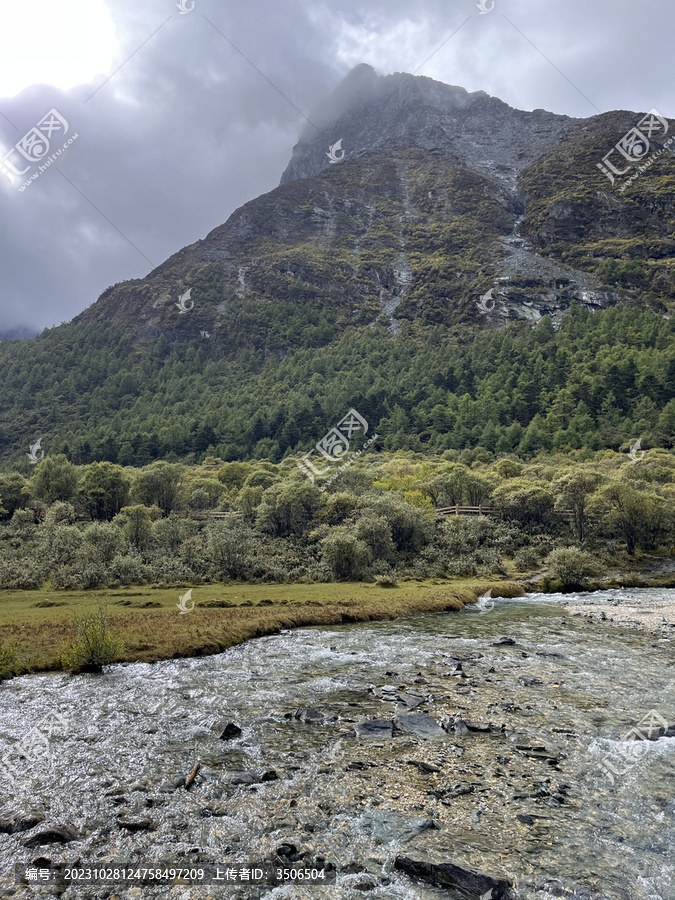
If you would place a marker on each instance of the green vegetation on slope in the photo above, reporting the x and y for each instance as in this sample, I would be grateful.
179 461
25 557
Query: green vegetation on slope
602 381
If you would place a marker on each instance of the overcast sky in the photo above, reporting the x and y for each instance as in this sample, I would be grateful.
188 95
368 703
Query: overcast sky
182 118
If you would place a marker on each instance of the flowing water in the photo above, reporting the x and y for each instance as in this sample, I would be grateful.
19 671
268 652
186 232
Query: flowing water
553 797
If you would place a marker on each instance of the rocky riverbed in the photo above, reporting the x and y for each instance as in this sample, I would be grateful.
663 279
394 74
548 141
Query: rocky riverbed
646 610
522 751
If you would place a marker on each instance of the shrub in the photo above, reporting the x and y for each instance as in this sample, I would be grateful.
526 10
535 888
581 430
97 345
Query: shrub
526 559
489 562
288 509
527 502
375 533
345 555
7 661
60 543
24 574
572 567
230 545
462 565
410 527
386 581
59 513
94 646
104 489
128 569
136 524
15 493
105 538
23 522
159 485
89 565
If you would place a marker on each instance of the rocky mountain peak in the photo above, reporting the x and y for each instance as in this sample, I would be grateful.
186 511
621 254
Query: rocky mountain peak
370 112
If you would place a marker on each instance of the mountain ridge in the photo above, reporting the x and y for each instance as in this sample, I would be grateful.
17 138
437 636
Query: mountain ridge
401 109
391 244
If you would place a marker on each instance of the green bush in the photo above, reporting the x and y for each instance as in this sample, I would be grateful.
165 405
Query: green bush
231 544
572 567
94 646
7 661
346 556
526 559
128 569
386 581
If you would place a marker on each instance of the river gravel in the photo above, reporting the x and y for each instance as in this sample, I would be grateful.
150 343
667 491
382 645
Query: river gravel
534 779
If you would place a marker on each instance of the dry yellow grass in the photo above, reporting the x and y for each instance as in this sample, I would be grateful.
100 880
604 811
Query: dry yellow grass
148 621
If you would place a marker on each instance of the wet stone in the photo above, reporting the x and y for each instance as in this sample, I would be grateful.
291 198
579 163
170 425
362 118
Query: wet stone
375 728
410 701
364 884
466 885
288 852
418 724
133 824
50 834
304 714
479 726
16 821
387 826
168 787
243 778
525 818
459 789
225 729
423 766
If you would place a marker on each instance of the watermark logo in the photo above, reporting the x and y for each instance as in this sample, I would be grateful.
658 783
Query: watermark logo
483 304
184 8
484 8
182 308
36 452
34 744
634 147
485 602
335 447
333 152
633 452
183 601
34 146
636 745
336 753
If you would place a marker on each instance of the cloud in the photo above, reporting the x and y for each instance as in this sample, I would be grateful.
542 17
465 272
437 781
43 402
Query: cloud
201 111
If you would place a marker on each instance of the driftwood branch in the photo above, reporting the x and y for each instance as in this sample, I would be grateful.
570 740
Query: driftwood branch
193 774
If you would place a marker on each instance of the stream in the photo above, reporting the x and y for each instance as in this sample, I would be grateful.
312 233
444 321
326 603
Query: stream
540 777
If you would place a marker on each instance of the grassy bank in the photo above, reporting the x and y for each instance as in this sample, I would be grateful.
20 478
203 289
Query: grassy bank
38 626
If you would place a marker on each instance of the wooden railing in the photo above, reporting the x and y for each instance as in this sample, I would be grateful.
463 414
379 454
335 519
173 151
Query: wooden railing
484 511
468 511
210 514
214 514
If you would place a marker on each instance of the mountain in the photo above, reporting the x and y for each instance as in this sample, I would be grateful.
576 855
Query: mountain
370 113
18 334
442 197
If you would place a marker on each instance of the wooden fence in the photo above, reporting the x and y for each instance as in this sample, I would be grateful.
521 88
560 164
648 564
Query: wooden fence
468 511
214 514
